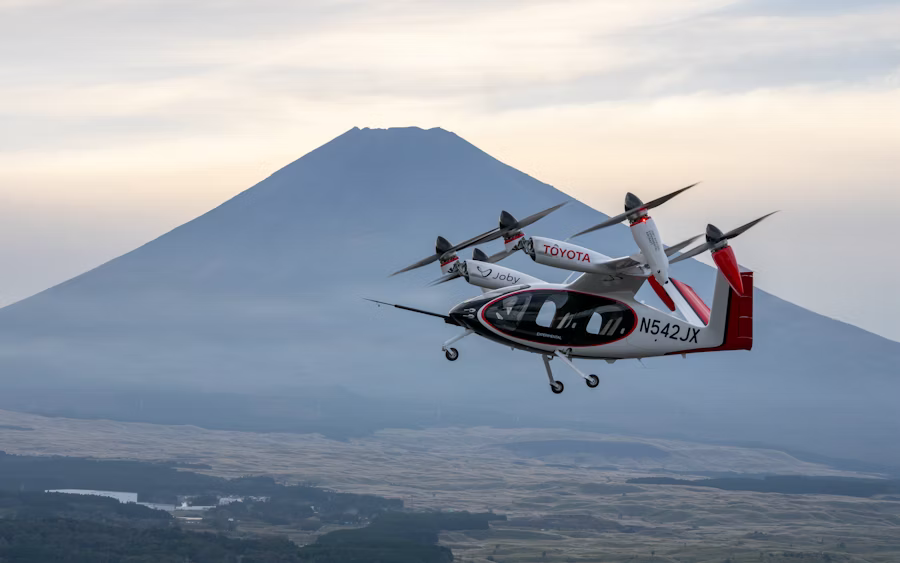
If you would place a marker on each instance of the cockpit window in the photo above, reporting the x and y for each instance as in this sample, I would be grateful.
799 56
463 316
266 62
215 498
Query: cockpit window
507 313
555 316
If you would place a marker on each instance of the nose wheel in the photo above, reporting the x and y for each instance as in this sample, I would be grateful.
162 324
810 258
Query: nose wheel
557 387
592 381
452 354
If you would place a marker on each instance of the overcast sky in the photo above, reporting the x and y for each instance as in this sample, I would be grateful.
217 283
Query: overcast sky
122 119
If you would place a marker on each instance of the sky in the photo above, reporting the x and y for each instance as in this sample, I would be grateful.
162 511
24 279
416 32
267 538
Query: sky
120 120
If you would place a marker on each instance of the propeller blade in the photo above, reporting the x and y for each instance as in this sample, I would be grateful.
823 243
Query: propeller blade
735 232
691 253
488 236
419 264
622 216
661 200
538 216
498 257
713 241
445 278
681 245
608 223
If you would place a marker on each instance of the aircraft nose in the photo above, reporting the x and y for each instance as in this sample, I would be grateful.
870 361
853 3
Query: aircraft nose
464 313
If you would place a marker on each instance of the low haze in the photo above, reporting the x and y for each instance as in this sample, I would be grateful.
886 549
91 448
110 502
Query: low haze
123 120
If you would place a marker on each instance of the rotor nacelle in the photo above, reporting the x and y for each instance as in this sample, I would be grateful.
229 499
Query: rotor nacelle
492 276
512 234
563 255
723 256
448 257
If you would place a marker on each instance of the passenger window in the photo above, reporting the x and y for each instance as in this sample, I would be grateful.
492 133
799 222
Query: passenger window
546 314
595 323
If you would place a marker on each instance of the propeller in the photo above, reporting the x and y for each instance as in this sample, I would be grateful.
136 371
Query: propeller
715 237
477 254
670 250
722 254
633 205
508 223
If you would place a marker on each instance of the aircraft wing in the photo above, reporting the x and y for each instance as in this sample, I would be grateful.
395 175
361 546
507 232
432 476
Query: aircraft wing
608 283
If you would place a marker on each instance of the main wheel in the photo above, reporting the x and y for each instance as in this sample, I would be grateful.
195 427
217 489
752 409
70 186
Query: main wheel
452 354
592 381
557 387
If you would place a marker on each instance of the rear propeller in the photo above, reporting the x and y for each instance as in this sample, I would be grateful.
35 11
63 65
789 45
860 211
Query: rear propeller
508 225
723 255
634 208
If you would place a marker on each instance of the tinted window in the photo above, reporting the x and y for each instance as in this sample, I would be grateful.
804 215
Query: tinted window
546 314
561 317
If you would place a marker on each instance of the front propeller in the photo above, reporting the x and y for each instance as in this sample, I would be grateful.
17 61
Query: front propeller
634 210
509 228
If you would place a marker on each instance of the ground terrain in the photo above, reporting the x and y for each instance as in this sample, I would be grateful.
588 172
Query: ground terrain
564 492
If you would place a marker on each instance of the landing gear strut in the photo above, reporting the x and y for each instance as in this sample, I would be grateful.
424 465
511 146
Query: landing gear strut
555 386
452 354
591 380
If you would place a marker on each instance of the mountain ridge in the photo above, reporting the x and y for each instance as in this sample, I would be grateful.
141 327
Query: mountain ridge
265 292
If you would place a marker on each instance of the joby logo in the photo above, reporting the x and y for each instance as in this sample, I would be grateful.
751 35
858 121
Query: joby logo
484 273
567 253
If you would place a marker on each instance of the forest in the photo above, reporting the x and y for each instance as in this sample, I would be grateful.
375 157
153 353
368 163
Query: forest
36 526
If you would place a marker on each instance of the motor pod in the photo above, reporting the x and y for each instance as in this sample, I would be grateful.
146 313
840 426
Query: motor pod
728 265
509 226
648 239
564 255
492 276
723 256
449 259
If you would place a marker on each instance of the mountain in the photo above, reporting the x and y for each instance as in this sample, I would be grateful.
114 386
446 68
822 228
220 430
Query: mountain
262 296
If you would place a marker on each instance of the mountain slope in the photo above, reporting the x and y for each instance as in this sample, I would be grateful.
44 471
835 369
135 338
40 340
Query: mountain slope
264 294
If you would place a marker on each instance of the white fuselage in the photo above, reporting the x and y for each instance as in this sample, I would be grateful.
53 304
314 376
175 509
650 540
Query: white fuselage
544 318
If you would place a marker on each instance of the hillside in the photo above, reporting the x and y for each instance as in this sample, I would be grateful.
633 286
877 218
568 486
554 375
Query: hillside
262 296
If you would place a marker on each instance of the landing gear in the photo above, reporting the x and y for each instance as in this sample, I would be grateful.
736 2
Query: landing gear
555 386
591 380
452 354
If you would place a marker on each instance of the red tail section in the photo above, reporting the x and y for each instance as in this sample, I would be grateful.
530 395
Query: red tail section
739 325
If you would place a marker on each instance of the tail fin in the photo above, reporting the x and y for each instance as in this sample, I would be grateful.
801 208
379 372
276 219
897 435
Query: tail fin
732 313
